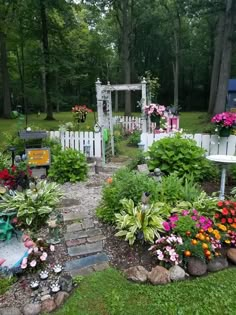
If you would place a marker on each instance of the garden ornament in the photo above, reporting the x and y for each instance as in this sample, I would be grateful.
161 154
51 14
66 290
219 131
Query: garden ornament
53 229
157 175
6 229
145 200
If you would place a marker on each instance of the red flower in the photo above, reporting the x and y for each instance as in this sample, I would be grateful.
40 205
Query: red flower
225 211
217 215
227 202
230 220
232 212
234 220
223 220
220 203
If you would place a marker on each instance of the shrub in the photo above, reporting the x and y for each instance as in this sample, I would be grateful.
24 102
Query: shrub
54 145
138 159
175 154
128 185
134 138
68 166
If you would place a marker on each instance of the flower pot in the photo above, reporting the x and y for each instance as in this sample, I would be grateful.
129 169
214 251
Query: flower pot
224 132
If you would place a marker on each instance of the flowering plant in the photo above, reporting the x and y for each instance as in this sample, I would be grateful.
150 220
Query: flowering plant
80 112
165 249
37 255
15 175
154 109
224 120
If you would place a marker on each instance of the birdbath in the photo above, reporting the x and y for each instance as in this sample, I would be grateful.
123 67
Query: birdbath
224 160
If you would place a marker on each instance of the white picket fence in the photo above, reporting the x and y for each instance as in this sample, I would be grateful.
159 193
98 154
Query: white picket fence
213 144
128 122
90 143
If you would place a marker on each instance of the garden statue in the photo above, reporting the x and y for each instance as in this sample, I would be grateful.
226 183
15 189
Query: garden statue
53 229
157 175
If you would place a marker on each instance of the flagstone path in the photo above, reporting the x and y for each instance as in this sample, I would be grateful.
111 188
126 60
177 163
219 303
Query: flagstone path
83 234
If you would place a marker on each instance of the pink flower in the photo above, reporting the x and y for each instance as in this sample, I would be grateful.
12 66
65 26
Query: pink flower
52 248
166 226
185 212
30 250
24 260
29 243
44 256
23 266
33 263
36 249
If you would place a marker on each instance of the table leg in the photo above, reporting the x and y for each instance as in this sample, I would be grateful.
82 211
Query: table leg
222 183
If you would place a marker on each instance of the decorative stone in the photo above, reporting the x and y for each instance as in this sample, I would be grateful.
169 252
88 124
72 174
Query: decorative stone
66 283
216 264
48 306
85 249
32 309
86 261
196 267
137 274
10 311
231 254
177 273
159 275
60 297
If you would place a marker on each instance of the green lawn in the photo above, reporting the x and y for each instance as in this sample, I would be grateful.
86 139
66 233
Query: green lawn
109 293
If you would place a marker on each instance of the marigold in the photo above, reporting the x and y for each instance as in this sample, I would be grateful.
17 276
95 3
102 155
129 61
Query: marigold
210 230
233 225
222 227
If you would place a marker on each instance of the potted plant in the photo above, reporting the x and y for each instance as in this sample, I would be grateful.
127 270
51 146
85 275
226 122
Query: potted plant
225 122
155 111
80 112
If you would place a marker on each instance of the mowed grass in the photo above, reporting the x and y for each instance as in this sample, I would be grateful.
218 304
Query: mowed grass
109 293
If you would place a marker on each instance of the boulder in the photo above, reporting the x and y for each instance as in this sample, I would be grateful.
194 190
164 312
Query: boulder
159 275
32 309
231 254
60 297
48 306
177 273
66 283
216 264
137 274
196 266
10 311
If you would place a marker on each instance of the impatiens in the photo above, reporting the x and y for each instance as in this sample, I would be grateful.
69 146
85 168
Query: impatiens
225 119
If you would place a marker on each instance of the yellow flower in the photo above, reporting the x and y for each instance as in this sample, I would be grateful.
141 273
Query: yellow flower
227 241
222 227
210 230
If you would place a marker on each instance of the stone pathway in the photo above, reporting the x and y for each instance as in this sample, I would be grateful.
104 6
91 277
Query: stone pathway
83 236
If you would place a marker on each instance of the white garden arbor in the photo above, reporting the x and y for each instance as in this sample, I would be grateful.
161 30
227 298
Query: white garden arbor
104 104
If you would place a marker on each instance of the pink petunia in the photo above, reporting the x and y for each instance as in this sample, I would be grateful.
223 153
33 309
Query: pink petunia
33 263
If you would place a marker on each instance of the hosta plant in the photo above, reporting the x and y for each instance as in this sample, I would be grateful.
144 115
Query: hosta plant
139 222
34 205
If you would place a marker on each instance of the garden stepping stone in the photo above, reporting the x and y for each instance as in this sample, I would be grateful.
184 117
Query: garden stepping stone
88 261
75 216
85 249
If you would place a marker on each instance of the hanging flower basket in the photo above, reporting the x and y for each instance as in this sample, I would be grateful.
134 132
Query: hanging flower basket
80 113
225 122
224 132
156 119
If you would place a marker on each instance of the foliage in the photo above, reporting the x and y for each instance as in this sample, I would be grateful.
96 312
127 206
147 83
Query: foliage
139 222
183 156
54 145
68 166
165 249
94 296
34 205
16 175
125 184
134 137
4 161
138 159
5 284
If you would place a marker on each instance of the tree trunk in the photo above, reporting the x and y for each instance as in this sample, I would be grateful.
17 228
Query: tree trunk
176 67
46 58
116 101
216 63
225 67
5 77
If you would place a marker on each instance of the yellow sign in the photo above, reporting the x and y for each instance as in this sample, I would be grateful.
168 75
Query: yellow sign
38 157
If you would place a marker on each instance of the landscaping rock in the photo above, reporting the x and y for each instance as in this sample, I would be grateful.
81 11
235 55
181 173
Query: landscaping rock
66 283
216 264
231 254
159 275
32 309
48 305
45 297
177 273
196 267
60 297
137 274
10 311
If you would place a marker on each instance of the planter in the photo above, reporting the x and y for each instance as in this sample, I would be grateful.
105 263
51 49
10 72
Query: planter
224 132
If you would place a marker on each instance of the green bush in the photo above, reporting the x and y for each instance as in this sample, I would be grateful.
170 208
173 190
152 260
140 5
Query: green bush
183 156
68 166
138 159
128 185
134 138
54 145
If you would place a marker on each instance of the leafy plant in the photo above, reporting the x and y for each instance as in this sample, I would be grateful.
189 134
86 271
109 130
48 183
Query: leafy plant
5 284
68 166
134 138
5 160
54 145
34 205
125 184
16 175
137 222
183 156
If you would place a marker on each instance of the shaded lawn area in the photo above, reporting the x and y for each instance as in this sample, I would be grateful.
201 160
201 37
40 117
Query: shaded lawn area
109 293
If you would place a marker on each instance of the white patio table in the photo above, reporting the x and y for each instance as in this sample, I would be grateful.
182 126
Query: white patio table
224 161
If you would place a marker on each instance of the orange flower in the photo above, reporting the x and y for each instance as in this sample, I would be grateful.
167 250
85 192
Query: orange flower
233 225
210 230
